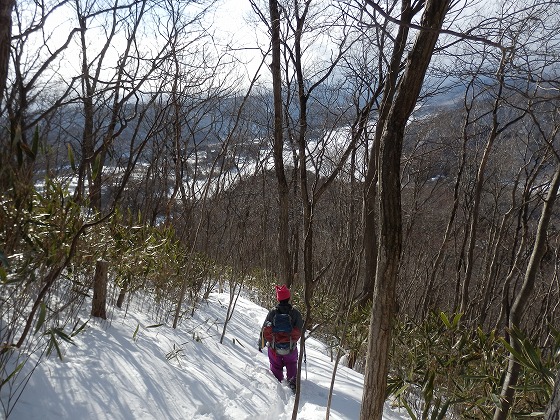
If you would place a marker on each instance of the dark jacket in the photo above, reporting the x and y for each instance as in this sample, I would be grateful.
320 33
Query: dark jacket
297 324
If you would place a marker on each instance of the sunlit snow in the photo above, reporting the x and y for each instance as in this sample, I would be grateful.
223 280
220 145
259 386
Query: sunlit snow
127 368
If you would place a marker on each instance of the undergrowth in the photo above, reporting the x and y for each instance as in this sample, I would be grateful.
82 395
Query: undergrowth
442 369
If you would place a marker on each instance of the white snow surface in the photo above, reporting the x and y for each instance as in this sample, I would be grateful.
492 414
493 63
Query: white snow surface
114 373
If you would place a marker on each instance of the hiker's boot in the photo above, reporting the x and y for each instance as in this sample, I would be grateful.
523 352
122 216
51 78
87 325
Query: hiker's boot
292 385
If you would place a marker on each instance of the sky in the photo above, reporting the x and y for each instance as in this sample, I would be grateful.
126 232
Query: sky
126 368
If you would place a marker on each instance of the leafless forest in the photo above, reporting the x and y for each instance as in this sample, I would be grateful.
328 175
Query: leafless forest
393 162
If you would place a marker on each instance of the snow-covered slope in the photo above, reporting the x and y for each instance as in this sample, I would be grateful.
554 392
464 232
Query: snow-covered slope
116 371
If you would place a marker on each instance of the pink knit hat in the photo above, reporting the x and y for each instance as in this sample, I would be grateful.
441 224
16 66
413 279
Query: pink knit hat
282 293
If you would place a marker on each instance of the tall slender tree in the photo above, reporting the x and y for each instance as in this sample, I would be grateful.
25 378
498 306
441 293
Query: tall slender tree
6 7
391 136
286 272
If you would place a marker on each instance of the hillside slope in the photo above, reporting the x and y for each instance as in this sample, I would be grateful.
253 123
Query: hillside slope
120 373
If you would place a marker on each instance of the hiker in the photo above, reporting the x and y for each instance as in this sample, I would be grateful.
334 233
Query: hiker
281 331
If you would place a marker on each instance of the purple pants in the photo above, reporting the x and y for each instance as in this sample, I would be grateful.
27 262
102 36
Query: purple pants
277 363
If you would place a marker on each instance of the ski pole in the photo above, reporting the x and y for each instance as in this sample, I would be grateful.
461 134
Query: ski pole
305 360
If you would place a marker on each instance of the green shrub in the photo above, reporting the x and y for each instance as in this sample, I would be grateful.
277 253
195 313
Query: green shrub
441 369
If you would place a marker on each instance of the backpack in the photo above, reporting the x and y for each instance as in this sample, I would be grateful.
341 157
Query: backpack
282 323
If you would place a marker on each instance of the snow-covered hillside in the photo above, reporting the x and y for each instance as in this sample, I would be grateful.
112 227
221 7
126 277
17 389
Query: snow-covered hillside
127 368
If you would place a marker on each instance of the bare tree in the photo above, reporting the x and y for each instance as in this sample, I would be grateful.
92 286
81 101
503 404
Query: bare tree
396 109
286 272
6 7
553 410
33 51
299 86
539 249
111 98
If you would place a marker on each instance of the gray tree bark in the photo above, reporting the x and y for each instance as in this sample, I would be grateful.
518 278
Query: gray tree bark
98 305
285 260
390 223
539 248
553 410
6 7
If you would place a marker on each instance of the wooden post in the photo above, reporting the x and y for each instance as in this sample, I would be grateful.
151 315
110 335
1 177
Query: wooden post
100 290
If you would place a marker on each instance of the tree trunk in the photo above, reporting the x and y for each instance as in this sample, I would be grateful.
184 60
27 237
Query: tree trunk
120 299
99 302
122 293
390 225
508 389
438 260
385 282
6 7
285 263
480 176
553 411
372 176
182 294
